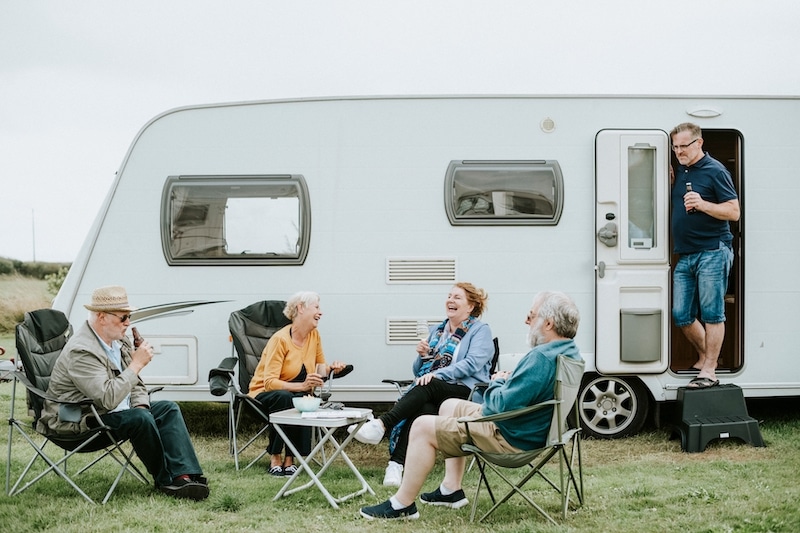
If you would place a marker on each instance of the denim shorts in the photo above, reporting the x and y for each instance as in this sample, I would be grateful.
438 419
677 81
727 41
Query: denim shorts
700 282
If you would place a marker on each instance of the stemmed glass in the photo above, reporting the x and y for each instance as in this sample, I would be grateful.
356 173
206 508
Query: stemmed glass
422 333
422 330
319 369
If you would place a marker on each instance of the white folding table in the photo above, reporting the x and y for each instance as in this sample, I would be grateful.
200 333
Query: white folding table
328 421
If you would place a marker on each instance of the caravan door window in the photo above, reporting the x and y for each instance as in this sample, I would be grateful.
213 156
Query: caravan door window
235 220
504 192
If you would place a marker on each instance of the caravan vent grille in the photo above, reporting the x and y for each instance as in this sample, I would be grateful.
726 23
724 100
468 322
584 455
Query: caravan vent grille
425 270
404 330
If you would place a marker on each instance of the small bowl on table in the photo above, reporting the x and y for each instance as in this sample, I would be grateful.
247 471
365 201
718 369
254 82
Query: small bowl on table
306 404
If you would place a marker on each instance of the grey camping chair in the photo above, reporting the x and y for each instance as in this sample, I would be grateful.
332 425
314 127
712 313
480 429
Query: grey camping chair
40 339
563 444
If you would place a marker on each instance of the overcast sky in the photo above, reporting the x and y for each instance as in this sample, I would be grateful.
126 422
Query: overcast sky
79 79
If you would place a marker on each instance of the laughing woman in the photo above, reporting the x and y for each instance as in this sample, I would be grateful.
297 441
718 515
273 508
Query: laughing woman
456 356
287 369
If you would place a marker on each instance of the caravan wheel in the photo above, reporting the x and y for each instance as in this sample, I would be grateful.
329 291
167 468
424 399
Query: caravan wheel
612 407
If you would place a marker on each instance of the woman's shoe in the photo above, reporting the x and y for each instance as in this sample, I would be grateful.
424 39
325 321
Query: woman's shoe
394 475
370 433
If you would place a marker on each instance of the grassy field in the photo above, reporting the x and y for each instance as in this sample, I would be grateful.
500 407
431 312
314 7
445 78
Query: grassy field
645 483
19 294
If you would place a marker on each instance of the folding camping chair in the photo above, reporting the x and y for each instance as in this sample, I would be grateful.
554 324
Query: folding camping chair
562 442
40 339
250 329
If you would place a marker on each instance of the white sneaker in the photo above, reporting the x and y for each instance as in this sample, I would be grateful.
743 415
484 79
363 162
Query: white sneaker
370 433
394 475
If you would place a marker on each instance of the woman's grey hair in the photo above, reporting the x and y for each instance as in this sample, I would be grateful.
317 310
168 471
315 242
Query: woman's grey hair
558 307
304 298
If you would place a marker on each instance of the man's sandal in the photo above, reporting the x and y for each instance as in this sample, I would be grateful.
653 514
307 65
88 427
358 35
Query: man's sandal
702 383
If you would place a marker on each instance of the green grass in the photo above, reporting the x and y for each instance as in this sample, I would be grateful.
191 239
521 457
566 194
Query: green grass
645 483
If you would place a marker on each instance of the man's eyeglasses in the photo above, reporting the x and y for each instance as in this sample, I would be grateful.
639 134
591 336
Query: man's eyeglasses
679 147
123 318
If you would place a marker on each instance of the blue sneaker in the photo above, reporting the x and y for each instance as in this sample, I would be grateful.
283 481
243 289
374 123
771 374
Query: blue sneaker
384 510
455 500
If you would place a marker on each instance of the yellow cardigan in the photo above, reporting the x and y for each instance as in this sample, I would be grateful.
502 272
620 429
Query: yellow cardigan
281 361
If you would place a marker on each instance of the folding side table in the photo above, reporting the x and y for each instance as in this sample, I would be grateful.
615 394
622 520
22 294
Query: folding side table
328 421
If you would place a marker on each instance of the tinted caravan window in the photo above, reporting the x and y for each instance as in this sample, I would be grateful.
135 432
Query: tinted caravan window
504 192
235 220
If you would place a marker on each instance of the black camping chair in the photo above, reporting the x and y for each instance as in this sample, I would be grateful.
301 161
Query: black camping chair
40 339
250 329
402 385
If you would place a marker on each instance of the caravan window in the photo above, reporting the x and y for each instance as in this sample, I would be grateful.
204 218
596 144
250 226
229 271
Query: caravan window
235 220
504 192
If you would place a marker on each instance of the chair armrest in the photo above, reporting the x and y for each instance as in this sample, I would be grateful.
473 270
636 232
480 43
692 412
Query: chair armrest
508 414
398 382
154 390
343 372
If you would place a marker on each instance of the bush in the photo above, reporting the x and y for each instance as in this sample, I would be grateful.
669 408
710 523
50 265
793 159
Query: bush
56 279
39 270
33 269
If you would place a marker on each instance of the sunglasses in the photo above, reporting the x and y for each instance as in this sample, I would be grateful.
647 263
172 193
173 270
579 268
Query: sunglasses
123 318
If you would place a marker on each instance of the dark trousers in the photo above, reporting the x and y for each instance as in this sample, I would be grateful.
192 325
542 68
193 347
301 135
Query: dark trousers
278 400
419 400
160 439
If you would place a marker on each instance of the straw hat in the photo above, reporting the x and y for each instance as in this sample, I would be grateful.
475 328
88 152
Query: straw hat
113 298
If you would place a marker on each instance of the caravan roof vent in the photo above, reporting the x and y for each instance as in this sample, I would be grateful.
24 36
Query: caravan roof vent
420 270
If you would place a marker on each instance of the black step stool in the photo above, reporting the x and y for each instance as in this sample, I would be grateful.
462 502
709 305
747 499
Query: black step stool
714 413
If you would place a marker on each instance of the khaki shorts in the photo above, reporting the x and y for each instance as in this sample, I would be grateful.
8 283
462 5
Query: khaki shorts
450 434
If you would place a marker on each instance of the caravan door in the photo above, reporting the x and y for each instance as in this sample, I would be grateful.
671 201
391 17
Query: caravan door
632 251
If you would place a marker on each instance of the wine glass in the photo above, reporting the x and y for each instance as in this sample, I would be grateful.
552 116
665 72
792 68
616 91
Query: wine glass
319 369
422 330
422 333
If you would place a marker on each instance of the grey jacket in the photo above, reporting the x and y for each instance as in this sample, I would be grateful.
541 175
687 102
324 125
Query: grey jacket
84 371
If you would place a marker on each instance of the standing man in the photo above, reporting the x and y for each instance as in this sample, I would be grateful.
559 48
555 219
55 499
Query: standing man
553 321
99 363
704 202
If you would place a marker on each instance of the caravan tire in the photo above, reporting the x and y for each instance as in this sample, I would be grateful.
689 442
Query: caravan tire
611 407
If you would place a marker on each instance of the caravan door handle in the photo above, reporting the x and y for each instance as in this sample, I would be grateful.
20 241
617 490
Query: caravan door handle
608 234
601 269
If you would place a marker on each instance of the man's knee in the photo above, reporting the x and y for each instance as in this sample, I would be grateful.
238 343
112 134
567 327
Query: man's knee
448 406
423 428
164 409
136 420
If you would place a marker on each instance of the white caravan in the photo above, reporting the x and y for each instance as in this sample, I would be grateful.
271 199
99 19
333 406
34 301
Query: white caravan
381 204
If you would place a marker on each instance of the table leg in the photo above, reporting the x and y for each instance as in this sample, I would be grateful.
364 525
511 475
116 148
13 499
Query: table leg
306 466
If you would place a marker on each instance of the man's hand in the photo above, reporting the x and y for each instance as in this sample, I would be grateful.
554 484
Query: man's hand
501 374
141 357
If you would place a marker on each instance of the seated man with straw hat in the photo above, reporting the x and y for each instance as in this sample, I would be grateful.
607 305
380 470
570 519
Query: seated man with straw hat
100 363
